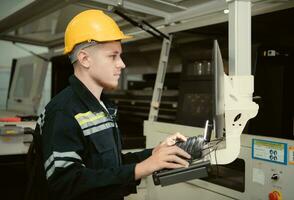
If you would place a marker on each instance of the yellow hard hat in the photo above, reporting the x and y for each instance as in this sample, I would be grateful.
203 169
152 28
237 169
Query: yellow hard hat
91 25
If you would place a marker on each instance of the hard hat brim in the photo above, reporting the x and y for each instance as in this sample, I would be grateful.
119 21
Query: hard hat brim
123 37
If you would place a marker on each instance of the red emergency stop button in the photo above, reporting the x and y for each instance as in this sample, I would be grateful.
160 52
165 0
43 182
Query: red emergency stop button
275 195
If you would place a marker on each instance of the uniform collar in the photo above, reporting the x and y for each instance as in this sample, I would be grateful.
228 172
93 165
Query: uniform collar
89 99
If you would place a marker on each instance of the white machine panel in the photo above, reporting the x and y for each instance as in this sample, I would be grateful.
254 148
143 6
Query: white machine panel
269 168
27 85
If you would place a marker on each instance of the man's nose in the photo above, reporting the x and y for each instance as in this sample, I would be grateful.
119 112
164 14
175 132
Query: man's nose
121 64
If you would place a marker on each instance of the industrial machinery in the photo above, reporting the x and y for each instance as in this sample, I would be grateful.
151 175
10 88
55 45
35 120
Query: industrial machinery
264 166
232 109
25 92
235 165
17 123
243 166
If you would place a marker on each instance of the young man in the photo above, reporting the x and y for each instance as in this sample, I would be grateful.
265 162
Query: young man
81 144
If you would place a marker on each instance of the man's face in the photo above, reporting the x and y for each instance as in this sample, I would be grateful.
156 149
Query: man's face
106 64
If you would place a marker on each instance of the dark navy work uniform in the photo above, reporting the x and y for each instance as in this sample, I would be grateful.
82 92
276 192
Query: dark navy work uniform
81 148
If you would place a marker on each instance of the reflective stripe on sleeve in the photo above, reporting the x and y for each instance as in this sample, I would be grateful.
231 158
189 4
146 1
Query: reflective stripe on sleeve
93 122
98 128
89 119
51 163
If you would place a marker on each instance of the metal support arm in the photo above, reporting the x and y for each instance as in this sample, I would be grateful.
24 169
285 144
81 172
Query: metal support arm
158 87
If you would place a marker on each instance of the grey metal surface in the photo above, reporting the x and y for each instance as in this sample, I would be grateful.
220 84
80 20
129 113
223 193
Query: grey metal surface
43 22
194 171
218 92
239 37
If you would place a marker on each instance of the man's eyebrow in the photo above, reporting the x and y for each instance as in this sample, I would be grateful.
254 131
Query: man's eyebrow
115 52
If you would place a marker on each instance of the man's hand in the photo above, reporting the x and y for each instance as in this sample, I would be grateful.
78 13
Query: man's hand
170 141
165 156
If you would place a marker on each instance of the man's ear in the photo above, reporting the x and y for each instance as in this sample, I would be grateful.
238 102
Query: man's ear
84 58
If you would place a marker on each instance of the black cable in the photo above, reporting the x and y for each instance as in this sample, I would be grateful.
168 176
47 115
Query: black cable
155 29
221 139
133 22
214 149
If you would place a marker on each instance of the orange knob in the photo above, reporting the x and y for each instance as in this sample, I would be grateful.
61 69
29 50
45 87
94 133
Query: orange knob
275 195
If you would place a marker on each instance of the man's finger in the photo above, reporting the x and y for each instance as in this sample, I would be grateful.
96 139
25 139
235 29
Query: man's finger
173 166
178 160
175 150
179 136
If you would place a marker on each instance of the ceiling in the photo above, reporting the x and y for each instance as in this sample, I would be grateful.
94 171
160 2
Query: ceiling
42 22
